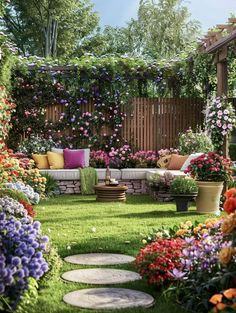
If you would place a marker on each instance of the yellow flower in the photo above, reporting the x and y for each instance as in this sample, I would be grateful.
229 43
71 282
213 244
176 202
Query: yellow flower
226 254
189 223
159 235
229 224
144 241
181 232
196 230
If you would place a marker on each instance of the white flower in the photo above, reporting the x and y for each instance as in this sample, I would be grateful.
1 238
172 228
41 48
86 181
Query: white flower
93 229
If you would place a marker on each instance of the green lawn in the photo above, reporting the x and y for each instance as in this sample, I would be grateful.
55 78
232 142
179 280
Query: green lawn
78 224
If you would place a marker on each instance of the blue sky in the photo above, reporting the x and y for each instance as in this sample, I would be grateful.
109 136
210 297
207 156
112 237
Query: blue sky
208 12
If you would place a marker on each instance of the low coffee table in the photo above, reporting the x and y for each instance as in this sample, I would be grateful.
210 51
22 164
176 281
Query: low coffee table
110 193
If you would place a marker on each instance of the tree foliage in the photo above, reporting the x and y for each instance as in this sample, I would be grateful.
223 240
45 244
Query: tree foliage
49 27
162 29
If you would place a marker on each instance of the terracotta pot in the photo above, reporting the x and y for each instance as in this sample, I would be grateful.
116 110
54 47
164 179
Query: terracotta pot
208 199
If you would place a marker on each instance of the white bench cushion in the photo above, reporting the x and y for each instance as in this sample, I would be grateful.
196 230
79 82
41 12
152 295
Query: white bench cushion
74 174
134 173
161 172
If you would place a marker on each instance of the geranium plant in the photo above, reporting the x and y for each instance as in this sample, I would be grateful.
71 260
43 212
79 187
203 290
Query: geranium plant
210 167
156 261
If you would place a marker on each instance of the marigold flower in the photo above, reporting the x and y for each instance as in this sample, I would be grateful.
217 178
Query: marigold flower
217 298
229 224
226 254
230 293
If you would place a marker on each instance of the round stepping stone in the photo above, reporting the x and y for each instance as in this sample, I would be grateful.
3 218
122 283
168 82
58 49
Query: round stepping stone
99 259
100 276
108 298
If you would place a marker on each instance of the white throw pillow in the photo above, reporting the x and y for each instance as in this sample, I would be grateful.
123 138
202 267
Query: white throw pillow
86 154
189 159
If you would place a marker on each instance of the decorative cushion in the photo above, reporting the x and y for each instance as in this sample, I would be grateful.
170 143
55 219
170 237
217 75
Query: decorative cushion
41 160
86 154
163 162
55 160
73 158
189 159
177 161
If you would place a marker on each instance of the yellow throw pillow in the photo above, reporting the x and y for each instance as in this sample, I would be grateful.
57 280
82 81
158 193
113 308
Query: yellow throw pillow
55 160
41 160
163 162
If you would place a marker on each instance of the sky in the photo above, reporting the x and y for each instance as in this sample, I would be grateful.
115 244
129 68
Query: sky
208 12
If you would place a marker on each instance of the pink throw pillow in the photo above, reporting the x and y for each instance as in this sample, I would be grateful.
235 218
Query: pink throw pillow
73 159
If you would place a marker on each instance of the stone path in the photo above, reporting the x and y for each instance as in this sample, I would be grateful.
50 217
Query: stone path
101 276
104 298
99 259
108 298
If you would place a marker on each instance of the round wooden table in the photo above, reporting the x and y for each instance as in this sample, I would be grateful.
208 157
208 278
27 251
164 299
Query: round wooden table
110 193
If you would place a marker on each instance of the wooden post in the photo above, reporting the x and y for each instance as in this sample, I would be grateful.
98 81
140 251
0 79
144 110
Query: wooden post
222 86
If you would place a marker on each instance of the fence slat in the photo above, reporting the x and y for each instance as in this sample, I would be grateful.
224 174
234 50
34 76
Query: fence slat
152 123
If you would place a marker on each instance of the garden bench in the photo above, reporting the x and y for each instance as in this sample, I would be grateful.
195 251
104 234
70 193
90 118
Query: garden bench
134 178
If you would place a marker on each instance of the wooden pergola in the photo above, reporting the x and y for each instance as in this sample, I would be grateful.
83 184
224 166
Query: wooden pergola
217 43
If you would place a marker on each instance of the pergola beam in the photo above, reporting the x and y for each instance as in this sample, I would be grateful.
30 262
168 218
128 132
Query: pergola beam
224 41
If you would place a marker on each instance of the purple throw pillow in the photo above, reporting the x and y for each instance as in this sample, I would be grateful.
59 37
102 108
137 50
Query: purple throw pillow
73 158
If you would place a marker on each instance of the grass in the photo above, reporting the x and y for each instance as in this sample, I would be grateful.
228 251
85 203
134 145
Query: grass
79 224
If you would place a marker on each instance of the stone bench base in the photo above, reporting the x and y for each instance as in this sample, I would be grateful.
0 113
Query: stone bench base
135 186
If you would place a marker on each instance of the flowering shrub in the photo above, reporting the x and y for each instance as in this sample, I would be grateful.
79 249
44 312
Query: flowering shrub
157 260
224 301
21 256
10 169
6 109
145 158
36 144
26 189
12 207
220 120
120 157
194 142
210 167
33 178
230 201
164 152
161 182
99 159
185 230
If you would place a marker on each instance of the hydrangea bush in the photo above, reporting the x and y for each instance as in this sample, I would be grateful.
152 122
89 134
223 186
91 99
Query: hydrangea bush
33 196
36 144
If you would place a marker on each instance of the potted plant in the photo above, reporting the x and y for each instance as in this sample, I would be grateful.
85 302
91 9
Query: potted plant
211 171
160 185
183 190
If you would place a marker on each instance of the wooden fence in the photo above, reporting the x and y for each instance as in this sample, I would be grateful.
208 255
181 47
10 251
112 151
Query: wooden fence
152 123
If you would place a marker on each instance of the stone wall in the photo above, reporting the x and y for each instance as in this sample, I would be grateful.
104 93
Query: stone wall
136 186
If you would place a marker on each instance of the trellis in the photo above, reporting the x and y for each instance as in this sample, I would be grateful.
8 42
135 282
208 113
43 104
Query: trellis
217 43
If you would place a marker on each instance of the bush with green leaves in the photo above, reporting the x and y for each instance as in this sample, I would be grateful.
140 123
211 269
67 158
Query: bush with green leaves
51 187
36 144
193 142
183 185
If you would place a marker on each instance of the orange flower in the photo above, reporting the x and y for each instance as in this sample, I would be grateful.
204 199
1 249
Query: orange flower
230 293
220 306
230 205
230 193
217 298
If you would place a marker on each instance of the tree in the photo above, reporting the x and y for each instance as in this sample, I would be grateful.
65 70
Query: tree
49 27
163 29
